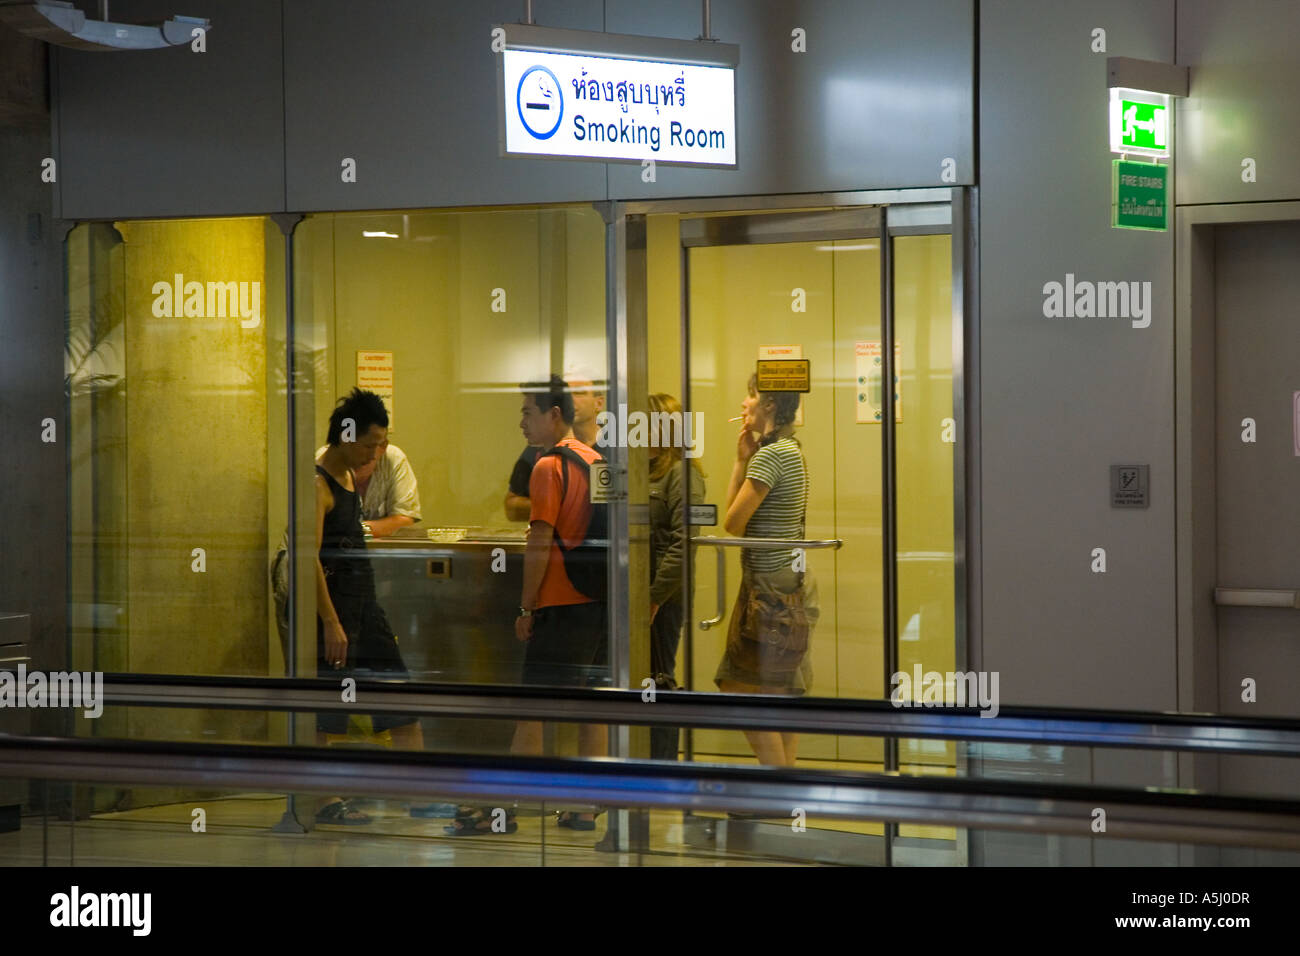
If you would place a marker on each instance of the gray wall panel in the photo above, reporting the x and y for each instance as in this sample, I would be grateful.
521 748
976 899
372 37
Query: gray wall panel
173 132
881 97
408 88
1063 399
34 494
1242 102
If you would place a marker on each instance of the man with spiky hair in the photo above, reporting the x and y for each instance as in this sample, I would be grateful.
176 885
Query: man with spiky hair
353 636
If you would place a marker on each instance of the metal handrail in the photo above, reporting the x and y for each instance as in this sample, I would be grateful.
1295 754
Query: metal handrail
1136 813
768 544
1204 733
758 544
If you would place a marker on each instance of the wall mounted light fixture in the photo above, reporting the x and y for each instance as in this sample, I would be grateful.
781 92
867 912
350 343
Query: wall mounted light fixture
62 24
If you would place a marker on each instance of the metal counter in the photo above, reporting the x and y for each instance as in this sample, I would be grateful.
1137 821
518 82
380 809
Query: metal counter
454 617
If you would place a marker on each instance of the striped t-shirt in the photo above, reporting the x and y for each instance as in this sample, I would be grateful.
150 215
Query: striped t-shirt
780 467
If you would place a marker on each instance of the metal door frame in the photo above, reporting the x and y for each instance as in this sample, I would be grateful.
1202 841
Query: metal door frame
1195 461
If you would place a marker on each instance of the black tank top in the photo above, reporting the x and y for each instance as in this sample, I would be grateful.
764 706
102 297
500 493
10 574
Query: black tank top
343 544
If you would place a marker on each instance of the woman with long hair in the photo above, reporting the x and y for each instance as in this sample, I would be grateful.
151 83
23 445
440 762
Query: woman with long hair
667 544
771 623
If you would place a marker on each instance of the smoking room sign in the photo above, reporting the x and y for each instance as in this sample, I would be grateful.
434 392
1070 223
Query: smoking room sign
573 95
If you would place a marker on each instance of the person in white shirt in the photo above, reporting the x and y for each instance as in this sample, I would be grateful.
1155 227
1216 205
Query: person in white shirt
390 497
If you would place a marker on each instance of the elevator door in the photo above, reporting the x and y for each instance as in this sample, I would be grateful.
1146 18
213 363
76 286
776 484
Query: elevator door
1257 354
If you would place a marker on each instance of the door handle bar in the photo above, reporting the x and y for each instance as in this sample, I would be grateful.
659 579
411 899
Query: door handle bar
1257 597
767 544
758 544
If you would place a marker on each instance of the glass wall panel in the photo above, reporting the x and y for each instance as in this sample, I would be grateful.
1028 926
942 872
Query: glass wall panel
175 385
925 441
444 315
179 434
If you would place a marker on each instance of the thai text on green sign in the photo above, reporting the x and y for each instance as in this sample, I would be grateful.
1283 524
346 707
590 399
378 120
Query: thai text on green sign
1139 195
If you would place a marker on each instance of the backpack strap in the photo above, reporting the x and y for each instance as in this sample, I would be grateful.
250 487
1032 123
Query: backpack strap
565 454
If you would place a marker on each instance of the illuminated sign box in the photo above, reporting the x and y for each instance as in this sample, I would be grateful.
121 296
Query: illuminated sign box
1139 122
569 94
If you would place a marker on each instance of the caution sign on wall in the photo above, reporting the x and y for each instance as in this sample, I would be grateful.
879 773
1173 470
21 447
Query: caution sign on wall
375 374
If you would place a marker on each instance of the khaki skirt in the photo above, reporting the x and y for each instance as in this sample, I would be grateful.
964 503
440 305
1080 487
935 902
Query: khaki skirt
757 658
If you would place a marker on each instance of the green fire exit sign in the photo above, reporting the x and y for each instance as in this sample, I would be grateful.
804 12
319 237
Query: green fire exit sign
1143 126
1139 196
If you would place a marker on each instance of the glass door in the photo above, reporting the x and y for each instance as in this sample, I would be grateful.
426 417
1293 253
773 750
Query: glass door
875 541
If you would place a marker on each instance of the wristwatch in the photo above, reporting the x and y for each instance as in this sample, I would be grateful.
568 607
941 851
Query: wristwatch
524 612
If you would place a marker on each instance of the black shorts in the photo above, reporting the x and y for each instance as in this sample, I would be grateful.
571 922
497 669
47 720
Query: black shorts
569 647
372 652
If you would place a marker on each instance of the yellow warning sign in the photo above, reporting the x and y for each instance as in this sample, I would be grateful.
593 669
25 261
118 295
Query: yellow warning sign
784 375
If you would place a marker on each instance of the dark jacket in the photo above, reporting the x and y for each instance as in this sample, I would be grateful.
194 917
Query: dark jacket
666 538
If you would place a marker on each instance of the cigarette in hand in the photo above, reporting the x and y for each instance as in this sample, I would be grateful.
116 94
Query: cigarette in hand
738 418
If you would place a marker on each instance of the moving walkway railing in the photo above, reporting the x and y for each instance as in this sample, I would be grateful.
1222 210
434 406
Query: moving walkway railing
1162 815
1203 733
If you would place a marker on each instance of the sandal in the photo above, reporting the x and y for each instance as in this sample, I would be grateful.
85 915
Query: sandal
571 821
470 821
341 813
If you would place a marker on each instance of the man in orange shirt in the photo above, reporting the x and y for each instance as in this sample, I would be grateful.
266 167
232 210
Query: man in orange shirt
564 628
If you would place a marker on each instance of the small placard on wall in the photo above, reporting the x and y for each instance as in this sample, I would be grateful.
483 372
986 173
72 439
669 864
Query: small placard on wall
606 488
772 352
1130 486
375 374
704 515
869 383
784 375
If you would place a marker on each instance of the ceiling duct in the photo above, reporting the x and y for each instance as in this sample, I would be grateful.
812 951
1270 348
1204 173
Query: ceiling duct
62 24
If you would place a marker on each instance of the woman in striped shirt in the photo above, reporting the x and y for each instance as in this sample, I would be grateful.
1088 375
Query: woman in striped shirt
771 623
